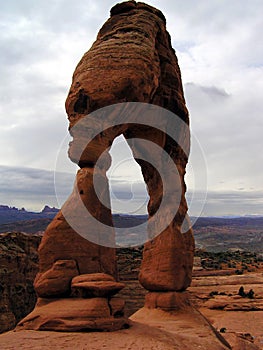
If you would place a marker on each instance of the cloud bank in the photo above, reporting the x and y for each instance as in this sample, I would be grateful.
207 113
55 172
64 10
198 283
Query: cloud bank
219 47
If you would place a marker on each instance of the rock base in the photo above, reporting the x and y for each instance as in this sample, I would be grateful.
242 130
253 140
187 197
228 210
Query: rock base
187 324
167 301
76 314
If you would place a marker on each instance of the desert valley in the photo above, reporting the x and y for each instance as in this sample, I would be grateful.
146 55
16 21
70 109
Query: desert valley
216 289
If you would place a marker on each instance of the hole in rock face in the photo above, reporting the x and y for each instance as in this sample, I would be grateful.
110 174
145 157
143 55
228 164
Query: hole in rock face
127 188
81 105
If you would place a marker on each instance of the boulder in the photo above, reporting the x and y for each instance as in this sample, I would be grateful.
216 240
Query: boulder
56 281
95 285
167 301
73 314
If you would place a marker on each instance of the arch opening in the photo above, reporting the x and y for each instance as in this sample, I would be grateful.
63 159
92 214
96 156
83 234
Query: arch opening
128 191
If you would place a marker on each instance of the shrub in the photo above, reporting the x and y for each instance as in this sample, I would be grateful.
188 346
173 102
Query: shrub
250 294
241 292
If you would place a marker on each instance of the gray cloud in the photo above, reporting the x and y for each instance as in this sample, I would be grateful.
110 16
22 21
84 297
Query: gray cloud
33 188
229 130
233 203
220 55
212 91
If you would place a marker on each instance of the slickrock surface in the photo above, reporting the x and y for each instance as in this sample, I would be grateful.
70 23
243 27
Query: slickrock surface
238 315
218 299
150 329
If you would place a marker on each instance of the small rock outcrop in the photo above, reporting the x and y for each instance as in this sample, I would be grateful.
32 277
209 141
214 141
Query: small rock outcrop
95 285
57 280
132 61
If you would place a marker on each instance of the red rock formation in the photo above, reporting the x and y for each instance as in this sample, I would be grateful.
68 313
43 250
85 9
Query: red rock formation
116 69
57 280
75 314
132 60
95 285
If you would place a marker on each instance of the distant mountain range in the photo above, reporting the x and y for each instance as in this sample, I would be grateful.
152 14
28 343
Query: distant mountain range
13 214
211 233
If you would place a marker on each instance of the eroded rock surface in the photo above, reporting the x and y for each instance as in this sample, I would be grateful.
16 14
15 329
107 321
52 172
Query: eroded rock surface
95 285
75 314
57 280
19 266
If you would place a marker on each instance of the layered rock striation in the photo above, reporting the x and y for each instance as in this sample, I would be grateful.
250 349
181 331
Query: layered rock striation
132 63
19 266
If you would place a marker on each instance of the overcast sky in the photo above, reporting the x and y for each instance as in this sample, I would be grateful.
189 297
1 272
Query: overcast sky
220 52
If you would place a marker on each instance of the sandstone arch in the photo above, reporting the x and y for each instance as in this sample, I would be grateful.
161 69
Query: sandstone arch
132 60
